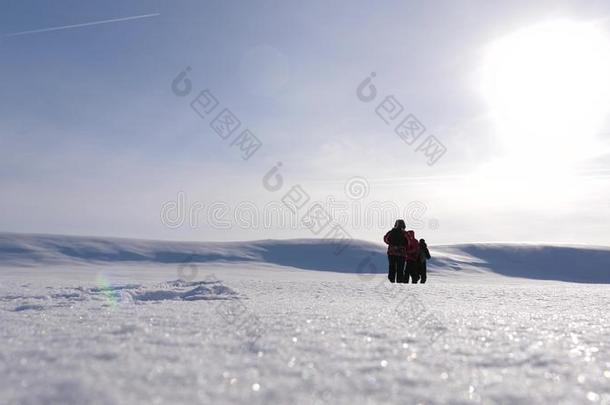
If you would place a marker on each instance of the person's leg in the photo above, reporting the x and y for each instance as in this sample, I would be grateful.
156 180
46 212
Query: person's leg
400 265
405 266
414 272
391 268
398 269
423 273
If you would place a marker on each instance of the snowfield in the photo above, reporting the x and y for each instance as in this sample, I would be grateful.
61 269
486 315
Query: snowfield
115 321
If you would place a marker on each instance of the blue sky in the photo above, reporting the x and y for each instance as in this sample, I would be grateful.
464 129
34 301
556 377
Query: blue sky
93 140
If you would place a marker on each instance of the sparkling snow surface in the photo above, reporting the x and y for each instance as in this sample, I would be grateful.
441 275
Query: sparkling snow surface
256 334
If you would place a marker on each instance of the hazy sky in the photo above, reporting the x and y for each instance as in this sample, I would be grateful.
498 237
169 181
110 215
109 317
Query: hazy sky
94 141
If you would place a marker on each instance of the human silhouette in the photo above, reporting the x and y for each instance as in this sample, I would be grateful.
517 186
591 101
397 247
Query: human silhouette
423 257
412 252
396 239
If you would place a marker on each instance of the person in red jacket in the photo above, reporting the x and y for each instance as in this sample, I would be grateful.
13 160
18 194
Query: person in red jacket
396 239
412 255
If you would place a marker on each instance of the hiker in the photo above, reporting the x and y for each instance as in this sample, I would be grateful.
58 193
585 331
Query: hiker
396 240
412 252
424 255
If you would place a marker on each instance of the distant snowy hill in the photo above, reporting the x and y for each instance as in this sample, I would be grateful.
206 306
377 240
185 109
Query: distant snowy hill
545 262
117 321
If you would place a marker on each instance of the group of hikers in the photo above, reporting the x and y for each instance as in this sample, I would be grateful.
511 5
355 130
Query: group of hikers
406 256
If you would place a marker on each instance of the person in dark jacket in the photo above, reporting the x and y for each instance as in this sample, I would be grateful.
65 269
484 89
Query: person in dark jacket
396 239
423 256
412 252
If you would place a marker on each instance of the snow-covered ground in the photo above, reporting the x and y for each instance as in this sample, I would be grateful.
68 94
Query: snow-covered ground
111 321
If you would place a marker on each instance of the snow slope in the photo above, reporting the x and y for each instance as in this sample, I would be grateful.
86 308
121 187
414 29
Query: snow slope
545 262
115 321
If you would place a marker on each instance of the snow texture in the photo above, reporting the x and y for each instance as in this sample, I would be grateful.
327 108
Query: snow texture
111 321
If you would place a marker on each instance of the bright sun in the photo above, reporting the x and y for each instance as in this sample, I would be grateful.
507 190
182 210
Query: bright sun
548 87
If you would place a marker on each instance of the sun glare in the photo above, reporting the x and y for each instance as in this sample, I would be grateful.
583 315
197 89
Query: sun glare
548 87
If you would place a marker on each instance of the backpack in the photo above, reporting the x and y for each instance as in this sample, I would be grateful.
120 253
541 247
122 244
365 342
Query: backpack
397 237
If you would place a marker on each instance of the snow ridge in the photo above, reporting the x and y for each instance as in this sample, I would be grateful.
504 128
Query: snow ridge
585 264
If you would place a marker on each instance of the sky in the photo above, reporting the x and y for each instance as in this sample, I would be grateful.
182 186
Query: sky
111 119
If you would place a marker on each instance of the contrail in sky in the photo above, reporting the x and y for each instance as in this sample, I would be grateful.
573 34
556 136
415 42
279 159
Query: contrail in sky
65 27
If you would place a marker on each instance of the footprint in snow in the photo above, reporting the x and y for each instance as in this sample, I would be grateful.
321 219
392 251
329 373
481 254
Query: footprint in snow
180 290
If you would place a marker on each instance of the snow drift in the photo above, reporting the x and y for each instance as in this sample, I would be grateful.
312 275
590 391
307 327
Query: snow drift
106 321
586 264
